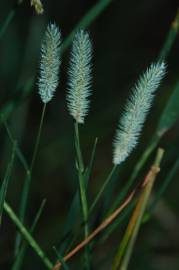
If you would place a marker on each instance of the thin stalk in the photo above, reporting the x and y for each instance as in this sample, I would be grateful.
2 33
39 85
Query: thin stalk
26 187
82 188
27 236
78 148
98 196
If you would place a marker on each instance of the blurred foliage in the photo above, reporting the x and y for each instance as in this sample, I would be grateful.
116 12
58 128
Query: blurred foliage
127 36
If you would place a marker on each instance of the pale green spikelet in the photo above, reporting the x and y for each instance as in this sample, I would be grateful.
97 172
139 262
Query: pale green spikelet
79 86
50 63
137 107
38 6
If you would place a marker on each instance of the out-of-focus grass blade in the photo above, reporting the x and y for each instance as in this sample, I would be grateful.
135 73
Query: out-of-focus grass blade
17 149
86 20
20 256
61 260
27 236
172 34
165 185
170 113
124 252
5 183
6 22
75 206
20 95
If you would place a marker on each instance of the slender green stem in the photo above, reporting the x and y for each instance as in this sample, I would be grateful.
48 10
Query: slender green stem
27 236
38 138
103 188
78 148
26 187
82 188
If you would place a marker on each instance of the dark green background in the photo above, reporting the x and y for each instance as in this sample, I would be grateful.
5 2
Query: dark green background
127 37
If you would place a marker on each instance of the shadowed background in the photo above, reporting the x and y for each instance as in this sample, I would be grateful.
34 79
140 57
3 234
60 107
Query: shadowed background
127 36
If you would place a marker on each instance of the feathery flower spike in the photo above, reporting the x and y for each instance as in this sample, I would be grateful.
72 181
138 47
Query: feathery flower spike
80 76
136 110
50 63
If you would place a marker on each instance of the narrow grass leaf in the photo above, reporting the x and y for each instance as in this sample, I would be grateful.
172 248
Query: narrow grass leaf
27 236
171 37
6 23
5 183
20 256
86 20
169 177
61 260
170 113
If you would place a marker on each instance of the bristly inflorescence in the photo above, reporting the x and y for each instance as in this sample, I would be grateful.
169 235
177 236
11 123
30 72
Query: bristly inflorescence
136 110
50 63
79 85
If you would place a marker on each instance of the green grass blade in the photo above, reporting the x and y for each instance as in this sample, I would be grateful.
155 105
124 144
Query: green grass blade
123 254
18 152
103 187
170 113
61 260
5 183
17 100
171 37
26 187
6 23
27 236
165 185
21 254
88 18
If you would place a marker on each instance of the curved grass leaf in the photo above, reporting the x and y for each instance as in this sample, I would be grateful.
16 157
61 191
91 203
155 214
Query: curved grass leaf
170 113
